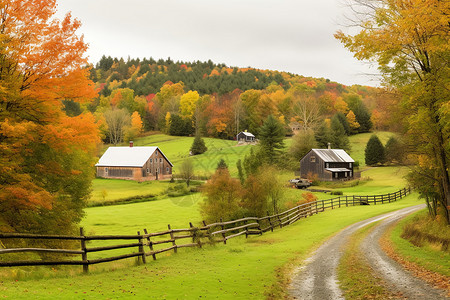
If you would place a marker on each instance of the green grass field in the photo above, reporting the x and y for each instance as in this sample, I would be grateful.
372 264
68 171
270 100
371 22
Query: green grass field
115 189
358 144
177 150
152 215
253 268
375 180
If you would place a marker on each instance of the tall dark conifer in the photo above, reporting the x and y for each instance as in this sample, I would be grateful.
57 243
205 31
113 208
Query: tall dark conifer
374 151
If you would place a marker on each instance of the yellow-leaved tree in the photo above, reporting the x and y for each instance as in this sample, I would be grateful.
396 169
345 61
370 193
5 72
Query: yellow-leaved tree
410 42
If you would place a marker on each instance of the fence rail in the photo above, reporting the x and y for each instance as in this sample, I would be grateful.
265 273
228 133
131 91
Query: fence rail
151 244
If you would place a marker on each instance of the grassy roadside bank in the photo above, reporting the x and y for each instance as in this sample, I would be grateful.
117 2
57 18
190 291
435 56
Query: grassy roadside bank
427 262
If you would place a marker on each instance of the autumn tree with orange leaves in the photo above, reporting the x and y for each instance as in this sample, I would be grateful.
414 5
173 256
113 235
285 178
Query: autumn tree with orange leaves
46 157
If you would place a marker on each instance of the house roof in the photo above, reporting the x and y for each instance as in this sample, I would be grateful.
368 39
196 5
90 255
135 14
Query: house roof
333 155
127 156
246 133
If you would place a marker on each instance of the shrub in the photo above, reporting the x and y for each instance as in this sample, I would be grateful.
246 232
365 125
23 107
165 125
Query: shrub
198 146
336 193
394 151
374 151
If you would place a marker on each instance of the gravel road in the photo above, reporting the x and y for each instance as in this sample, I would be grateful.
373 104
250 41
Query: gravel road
396 276
317 279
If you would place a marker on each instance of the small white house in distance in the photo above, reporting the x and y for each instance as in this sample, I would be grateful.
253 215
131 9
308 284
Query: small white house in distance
134 163
245 137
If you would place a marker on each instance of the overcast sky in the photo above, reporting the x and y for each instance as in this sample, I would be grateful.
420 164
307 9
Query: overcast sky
286 35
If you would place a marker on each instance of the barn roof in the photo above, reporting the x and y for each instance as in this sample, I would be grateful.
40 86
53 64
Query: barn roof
127 156
333 155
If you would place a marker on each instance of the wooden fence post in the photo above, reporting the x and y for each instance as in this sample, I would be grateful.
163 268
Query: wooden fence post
346 201
172 238
141 247
223 233
259 226
353 200
246 228
270 222
150 245
323 205
195 235
83 248
279 220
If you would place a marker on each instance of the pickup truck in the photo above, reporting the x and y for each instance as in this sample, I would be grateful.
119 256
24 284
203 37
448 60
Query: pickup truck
300 183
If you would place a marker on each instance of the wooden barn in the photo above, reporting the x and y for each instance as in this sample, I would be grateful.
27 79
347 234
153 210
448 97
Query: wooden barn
245 137
327 164
134 163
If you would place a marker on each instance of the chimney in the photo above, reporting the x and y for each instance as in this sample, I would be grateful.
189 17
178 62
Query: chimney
329 145
131 144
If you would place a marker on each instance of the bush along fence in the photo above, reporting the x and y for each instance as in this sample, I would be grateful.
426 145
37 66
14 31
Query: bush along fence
145 244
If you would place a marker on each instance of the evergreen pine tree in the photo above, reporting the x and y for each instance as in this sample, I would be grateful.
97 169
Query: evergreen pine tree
198 146
341 117
363 117
323 135
271 137
222 164
339 140
374 151
394 150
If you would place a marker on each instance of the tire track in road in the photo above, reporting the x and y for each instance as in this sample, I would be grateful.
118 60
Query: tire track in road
317 280
397 278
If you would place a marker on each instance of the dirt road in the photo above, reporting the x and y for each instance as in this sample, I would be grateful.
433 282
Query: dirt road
318 278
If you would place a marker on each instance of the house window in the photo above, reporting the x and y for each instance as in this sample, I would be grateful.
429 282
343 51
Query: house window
335 175
313 159
346 174
156 153
148 170
106 170
351 174
327 165
167 170
151 160
160 160
350 165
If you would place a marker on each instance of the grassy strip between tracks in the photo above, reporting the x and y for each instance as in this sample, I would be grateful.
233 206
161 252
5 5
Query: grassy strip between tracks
357 279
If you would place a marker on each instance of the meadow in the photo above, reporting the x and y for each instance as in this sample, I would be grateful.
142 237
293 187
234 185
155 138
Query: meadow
374 181
255 268
177 150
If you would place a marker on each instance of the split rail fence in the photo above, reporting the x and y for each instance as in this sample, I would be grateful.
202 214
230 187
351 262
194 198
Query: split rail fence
145 244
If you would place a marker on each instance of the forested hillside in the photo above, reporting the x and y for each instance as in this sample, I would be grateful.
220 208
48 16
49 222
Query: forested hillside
187 98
